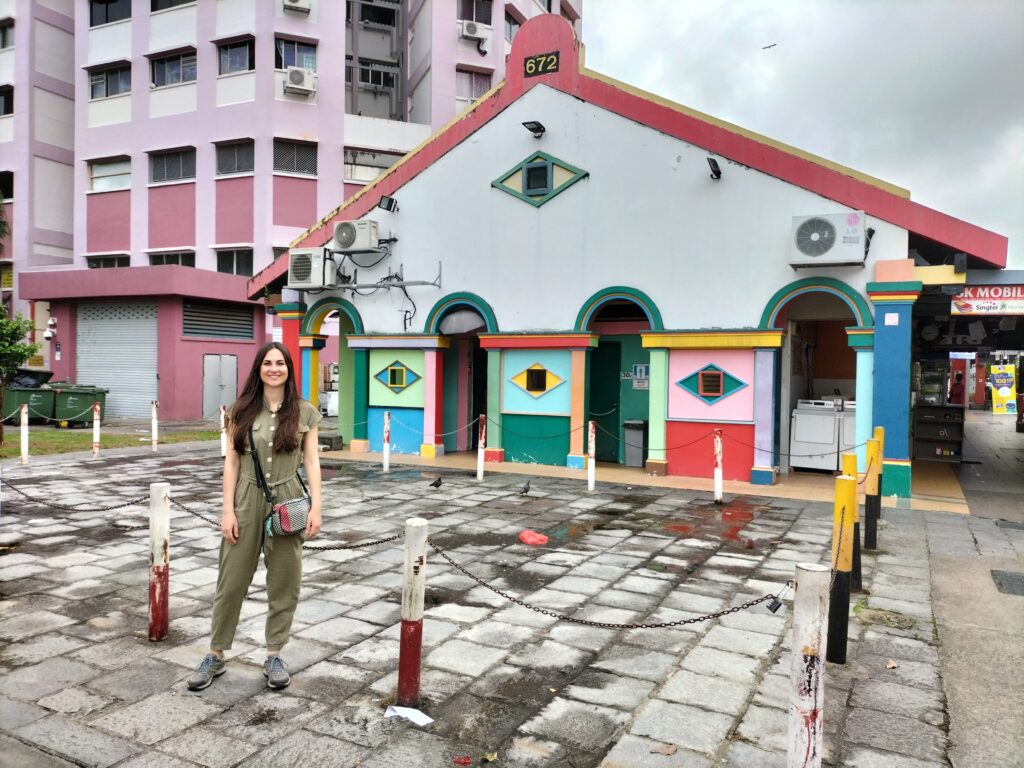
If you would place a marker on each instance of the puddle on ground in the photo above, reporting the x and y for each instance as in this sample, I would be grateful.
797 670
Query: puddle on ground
713 521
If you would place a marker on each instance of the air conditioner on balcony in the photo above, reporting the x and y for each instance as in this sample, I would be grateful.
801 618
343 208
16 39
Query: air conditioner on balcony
474 30
310 268
299 80
352 236
299 6
828 240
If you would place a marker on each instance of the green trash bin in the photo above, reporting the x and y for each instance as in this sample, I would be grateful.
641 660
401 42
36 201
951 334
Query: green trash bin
38 399
13 400
72 404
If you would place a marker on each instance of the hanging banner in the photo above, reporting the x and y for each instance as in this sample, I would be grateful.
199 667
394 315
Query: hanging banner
990 300
1004 390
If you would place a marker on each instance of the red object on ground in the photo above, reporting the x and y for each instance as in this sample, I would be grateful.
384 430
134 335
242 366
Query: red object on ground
533 538
159 576
410 646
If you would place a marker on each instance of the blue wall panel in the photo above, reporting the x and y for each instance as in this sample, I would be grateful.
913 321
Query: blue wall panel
406 429
556 401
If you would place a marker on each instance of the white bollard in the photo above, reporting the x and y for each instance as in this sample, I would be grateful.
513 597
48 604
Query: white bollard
591 456
481 446
154 426
386 458
96 429
410 641
24 433
159 559
223 432
718 466
807 671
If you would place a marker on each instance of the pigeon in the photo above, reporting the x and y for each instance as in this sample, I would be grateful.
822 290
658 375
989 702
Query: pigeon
436 483
525 489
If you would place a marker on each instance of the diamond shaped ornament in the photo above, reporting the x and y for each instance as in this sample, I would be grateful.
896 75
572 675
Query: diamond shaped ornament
550 380
730 384
408 377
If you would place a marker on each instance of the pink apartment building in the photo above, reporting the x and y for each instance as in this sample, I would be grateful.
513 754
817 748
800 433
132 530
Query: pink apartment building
164 151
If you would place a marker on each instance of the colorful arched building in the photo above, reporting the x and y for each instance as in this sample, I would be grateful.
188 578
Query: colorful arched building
592 268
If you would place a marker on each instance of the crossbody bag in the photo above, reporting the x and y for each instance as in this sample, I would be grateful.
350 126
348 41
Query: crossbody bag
285 517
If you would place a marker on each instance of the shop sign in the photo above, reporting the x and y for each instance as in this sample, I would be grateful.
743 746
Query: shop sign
1004 392
990 300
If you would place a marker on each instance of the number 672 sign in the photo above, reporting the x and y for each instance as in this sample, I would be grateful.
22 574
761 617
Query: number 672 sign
541 64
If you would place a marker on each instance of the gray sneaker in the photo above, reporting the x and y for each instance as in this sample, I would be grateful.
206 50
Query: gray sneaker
210 667
276 672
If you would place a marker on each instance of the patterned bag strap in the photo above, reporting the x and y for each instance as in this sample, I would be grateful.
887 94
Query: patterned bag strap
261 478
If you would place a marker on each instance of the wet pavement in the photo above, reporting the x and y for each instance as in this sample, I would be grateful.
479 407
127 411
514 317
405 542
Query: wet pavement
81 684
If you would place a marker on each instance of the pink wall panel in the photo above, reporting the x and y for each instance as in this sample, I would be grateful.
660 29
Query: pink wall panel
294 201
234 210
172 216
738 406
108 221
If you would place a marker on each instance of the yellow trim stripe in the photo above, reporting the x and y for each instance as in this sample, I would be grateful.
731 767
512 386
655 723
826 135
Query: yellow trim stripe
712 339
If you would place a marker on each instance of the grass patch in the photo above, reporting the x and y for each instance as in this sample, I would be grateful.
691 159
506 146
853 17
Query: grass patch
860 605
45 442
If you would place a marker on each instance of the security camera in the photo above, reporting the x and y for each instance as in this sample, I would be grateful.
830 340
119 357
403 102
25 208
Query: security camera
51 323
49 334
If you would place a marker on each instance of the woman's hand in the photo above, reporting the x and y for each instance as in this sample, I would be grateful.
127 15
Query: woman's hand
313 523
229 526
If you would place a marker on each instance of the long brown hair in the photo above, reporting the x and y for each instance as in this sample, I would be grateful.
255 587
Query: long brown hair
249 404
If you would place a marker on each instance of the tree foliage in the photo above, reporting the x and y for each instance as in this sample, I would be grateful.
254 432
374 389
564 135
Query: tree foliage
15 350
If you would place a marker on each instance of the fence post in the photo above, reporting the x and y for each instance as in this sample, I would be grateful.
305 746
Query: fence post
159 558
96 429
850 469
872 495
411 639
879 435
223 432
718 466
807 671
24 433
154 425
842 561
481 447
591 455
386 450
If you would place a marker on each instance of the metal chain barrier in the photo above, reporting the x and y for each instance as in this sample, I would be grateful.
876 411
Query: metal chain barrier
617 439
867 473
791 455
534 437
120 505
201 516
839 549
602 624
439 434
76 417
357 545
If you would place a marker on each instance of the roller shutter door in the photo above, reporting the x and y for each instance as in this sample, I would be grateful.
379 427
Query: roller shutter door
117 351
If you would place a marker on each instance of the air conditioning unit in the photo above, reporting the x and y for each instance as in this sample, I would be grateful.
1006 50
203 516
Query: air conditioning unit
828 240
310 268
299 80
352 236
299 6
474 30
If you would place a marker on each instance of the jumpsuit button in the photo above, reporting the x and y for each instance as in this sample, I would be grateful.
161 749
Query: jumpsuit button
269 459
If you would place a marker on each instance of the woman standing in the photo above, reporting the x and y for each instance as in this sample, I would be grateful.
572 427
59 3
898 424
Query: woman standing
284 430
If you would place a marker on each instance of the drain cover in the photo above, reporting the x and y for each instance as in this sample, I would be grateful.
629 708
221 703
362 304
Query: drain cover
1010 582
1010 524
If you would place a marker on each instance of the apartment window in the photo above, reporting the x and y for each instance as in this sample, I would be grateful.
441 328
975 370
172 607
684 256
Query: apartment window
6 185
294 157
110 82
470 86
235 158
172 166
363 165
237 57
476 10
174 70
291 53
182 258
107 262
163 5
236 262
107 175
107 11
512 25
7 34
7 100
380 15
377 74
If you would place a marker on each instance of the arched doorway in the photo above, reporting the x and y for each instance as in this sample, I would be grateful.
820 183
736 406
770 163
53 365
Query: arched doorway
331 368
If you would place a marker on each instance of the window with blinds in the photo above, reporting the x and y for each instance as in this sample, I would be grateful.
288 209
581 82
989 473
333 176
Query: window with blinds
235 158
172 166
219 321
295 157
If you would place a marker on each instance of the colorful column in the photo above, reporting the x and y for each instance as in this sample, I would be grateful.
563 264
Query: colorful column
891 386
433 400
291 323
765 470
494 450
360 400
578 412
657 461
862 341
311 346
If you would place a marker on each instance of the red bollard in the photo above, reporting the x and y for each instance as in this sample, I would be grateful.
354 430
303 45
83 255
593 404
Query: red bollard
159 559
410 648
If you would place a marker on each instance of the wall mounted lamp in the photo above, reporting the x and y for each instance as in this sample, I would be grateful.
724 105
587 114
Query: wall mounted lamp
535 127
388 204
716 172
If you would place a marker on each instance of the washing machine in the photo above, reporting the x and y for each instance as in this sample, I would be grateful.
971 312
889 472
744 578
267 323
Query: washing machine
847 427
814 435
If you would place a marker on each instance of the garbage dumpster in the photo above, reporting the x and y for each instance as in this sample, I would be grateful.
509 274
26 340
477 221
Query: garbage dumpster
39 401
635 438
72 404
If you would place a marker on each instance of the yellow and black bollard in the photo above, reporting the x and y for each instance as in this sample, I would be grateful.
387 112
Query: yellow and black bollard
872 494
879 435
842 562
850 470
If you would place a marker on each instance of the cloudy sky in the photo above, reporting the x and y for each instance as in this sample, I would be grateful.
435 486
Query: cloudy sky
926 94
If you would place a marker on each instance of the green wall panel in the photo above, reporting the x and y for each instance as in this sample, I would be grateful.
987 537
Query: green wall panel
531 439
380 395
